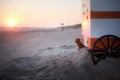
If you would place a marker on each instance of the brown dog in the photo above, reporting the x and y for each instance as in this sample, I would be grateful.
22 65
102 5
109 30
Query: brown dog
79 43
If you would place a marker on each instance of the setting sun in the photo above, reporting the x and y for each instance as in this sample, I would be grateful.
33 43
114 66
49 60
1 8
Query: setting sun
11 22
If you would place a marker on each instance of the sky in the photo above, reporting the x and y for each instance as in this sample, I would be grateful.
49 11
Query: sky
39 13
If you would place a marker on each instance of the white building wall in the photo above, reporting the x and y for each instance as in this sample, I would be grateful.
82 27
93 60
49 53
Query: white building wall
104 26
105 5
100 27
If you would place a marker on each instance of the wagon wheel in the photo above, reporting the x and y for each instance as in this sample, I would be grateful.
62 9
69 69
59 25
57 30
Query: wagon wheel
105 46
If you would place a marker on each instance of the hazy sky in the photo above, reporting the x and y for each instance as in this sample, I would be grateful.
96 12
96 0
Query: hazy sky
40 13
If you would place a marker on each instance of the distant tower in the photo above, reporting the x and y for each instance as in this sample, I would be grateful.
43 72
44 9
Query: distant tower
99 17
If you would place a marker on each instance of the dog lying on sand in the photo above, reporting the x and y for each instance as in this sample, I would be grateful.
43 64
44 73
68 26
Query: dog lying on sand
79 43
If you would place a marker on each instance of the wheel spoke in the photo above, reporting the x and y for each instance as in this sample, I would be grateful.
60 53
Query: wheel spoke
108 43
98 47
117 47
102 57
114 40
103 44
99 52
116 53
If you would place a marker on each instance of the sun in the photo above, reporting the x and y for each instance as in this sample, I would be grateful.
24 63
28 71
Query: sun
11 22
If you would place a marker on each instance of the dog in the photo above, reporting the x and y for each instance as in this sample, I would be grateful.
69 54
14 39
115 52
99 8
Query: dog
79 43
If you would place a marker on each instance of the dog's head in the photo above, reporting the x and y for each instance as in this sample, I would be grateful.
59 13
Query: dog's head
77 41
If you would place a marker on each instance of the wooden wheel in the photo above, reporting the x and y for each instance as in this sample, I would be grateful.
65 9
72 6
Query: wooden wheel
105 46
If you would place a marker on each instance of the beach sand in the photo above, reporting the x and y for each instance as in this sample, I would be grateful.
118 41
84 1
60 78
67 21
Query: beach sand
51 55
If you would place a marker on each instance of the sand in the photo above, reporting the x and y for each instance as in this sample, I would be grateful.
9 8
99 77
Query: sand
51 55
